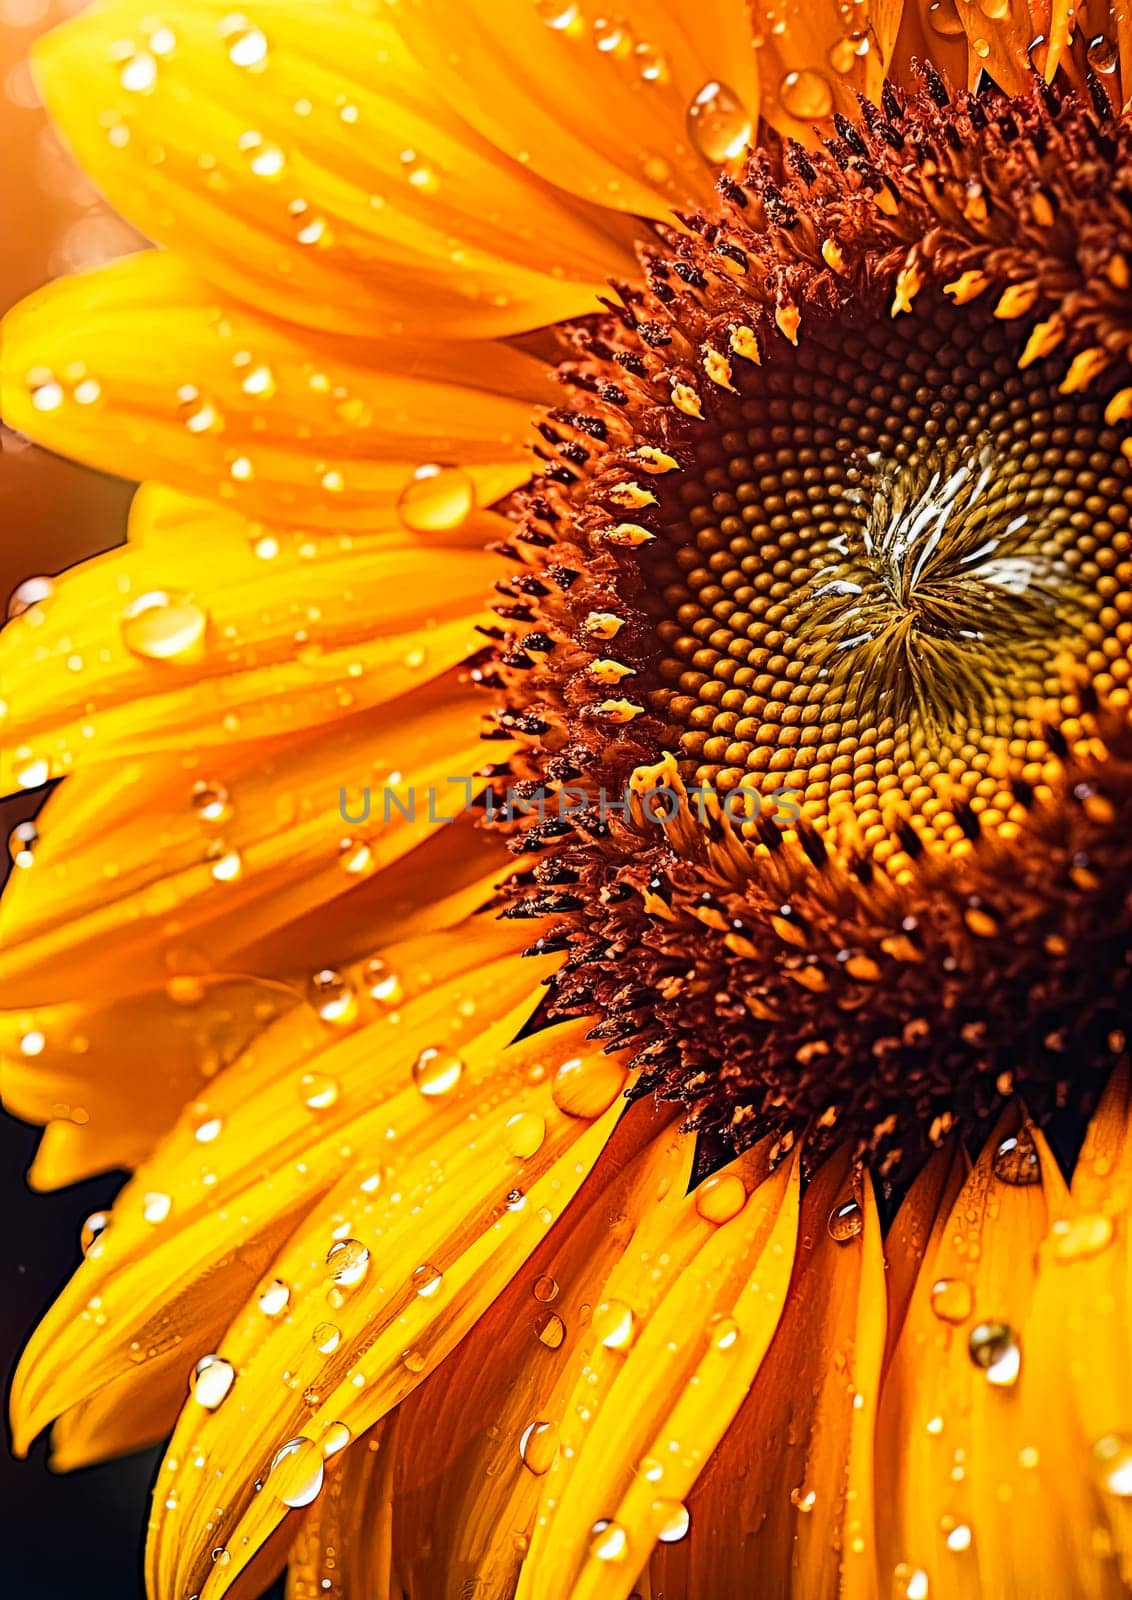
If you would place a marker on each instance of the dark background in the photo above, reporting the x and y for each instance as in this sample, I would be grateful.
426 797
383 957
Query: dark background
75 1536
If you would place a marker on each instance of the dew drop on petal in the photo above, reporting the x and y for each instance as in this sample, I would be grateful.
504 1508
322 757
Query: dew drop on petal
952 1300
156 1206
910 1583
805 94
247 45
724 1333
615 1324
586 1086
354 857
671 1520
1103 54
209 801
318 1091
336 1436
46 393
227 866
718 124
944 19
32 592
551 1330
720 1198
436 1072
523 1134
22 842
845 53
845 1221
208 1129
1078 1238
34 774
538 1446
427 1280
1112 1463
1015 1160
333 998
297 1472
92 1230
32 1043
413 1360
557 14
326 1338
437 499
959 1538
138 73
273 1297
211 1380
383 985
608 1541
348 1261
164 625
545 1289
994 1347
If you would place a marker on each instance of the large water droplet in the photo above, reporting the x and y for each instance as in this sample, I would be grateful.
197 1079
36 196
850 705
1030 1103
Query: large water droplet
164 625
1103 54
437 499
1112 1462
994 1347
32 592
1016 1160
436 1072
845 1221
586 1086
608 1541
718 123
348 1261
720 1198
538 1446
671 1520
952 1300
551 1330
211 1380
336 1436
806 95
297 1472
273 1297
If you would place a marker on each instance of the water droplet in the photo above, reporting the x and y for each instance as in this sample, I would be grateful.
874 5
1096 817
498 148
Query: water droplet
559 14
268 162
436 1072
671 1520
227 866
164 625
297 1472
718 124
515 1200
1016 1160
242 470
538 1446
333 998
273 1297
615 1324
952 1300
844 55
163 42
22 842
720 1198
156 1206
803 1499
724 1333
247 45
32 1042
207 1129
46 393
523 1134
845 1221
981 48
88 392
1078 1238
1112 1461
994 1347
1103 54
384 986
92 1230
354 856
911 1583
336 1436
348 1261
32 592
608 1541
959 1537
944 19
551 1329
138 73
318 1091
545 1290
209 801
586 1086
427 1280
806 95
211 1380
413 1360
610 36
198 415
436 499
326 1338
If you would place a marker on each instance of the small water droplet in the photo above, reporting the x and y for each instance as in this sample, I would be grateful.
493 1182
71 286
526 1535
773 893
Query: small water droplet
805 94
297 1472
952 1300
427 1280
21 844
156 1206
944 19
164 625
608 1541
332 996
615 1324
994 1347
92 1230
348 1261
436 1072
413 1360
318 1091
207 1128
558 14
959 1538
354 856
803 1499
33 1042
198 414
1078 1238
586 1086
845 53
227 866
551 1330
611 37
209 801
911 1583
273 1297
1103 54
718 124
724 1333
32 592
259 380
211 1380
437 499
1112 1462
138 73
383 985
538 1446
247 45
336 1436
721 1198
1016 1160
545 1290
523 1135
671 1520
326 1338
46 393
268 161
845 1221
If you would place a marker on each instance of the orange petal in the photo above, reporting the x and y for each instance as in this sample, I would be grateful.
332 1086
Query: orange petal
141 361
815 61
343 1548
298 157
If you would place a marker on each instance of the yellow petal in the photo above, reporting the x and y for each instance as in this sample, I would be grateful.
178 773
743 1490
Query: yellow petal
204 633
425 1255
139 361
667 1394
796 1465
633 109
299 157
343 1547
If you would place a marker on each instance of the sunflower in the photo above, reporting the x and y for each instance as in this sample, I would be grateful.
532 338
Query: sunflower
592 888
